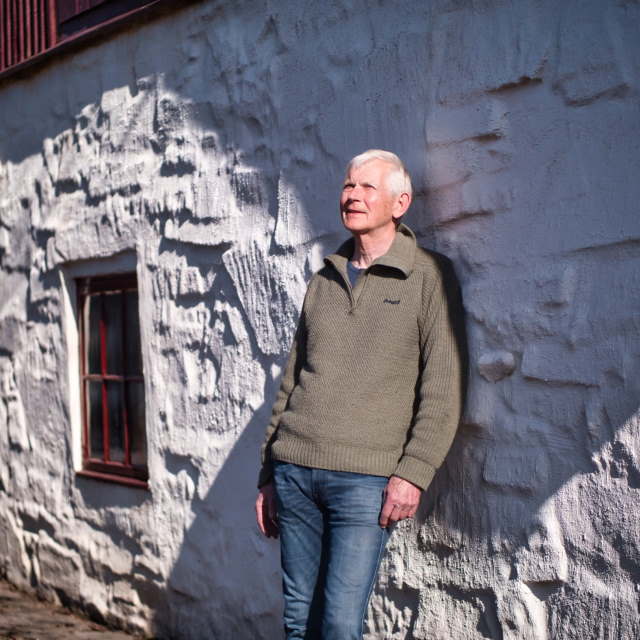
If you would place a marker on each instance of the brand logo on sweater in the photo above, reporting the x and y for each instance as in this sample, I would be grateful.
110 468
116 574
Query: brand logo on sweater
392 301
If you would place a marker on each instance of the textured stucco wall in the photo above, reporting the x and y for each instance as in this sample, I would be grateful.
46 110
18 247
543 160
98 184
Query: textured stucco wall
207 148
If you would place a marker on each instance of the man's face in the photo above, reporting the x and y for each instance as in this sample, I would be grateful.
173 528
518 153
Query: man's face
366 203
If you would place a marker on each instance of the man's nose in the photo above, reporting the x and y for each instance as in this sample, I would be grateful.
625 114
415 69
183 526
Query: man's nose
356 193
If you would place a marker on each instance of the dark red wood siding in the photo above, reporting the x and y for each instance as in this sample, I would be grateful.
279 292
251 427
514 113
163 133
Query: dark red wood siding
27 28
30 30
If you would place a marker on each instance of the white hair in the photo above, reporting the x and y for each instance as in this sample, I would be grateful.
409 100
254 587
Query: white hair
398 180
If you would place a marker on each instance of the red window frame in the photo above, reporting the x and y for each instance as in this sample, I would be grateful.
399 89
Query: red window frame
124 472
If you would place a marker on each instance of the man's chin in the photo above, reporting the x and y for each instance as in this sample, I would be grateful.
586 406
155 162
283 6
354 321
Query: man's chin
355 224
356 229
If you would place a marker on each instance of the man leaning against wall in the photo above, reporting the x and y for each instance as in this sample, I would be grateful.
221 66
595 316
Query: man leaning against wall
368 406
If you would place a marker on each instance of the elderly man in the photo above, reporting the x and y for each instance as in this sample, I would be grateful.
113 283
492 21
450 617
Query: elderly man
368 406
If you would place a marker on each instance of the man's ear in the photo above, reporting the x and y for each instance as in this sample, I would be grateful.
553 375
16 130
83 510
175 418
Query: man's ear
401 205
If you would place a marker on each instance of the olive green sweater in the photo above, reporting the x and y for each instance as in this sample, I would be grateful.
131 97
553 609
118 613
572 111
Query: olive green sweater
374 379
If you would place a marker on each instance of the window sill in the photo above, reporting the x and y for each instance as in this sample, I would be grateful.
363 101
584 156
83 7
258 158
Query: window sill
115 479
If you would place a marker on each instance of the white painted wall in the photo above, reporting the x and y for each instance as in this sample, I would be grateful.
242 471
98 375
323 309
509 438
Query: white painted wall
210 145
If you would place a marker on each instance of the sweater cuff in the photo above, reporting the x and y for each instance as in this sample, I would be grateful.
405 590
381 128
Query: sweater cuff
415 471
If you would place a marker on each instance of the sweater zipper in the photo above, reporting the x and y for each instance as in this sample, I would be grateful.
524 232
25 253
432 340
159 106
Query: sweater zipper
365 275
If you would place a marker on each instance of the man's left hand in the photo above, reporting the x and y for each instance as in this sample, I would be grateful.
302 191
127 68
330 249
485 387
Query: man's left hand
401 501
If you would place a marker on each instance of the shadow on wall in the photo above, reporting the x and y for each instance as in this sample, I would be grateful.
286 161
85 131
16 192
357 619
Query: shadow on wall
223 559
238 96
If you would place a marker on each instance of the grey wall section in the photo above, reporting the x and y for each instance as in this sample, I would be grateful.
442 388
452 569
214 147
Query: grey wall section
209 145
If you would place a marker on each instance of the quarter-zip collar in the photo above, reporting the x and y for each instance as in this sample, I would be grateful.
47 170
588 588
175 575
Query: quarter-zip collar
400 255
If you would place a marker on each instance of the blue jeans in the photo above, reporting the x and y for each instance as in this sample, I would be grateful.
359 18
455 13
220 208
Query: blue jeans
331 545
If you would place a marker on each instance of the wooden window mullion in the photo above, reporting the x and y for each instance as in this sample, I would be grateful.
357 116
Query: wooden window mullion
103 371
42 13
7 32
36 26
3 62
19 28
112 377
27 29
53 24
9 6
28 47
43 24
14 35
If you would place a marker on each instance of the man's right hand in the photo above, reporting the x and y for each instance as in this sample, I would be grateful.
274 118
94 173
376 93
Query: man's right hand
266 510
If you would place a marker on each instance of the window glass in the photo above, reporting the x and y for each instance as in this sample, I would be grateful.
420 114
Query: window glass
93 337
116 422
112 310
135 418
94 409
133 352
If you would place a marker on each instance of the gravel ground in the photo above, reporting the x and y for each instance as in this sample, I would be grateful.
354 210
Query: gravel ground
23 617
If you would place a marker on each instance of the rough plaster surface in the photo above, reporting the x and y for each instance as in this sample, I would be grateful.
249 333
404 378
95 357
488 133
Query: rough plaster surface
208 146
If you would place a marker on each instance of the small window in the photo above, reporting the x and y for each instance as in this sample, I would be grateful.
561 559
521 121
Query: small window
74 16
114 443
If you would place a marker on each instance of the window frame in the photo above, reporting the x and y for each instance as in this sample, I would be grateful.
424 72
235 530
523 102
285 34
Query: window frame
105 469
